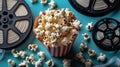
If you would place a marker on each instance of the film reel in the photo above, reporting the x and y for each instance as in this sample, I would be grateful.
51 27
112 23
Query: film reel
95 7
15 23
106 34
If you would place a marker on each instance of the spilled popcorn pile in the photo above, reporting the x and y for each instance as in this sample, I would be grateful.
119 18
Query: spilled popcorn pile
29 59
92 53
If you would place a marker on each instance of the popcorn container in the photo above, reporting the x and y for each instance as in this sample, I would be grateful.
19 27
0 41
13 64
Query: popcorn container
59 51
52 31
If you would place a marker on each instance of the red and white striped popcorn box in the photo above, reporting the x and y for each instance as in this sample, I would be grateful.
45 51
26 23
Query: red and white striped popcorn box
59 51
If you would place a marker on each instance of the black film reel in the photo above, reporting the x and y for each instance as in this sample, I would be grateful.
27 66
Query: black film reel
106 34
15 23
95 7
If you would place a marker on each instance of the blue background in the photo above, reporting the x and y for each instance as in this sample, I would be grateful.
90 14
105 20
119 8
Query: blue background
36 8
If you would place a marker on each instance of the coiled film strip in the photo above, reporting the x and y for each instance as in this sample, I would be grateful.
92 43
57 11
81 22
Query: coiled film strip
15 23
95 7
106 34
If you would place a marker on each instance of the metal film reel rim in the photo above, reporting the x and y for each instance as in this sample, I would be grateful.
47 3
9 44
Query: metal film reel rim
94 13
95 30
22 36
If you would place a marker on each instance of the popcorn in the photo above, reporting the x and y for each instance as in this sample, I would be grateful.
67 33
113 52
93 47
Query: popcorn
91 52
74 31
23 64
47 26
86 36
50 63
65 29
88 63
38 63
47 32
83 46
79 57
52 4
30 59
11 63
57 26
89 26
44 1
66 63
41 54
51 30
33 47
15 53
77 24
64 41
33 1
101 57
22 54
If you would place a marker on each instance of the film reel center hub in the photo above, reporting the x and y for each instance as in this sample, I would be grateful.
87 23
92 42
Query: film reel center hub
15 23
106 34
95 7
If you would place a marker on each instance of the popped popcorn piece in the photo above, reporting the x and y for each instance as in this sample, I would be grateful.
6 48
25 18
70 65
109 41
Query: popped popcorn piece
65 29
50 63
91 52
77 24
47 26
22 54
79 57
101 57
86 36
33 1
57 26
89 26
30 59
52 4
41 54
38 63
33 47
44 1
66 63
11 63
64 41
88 63
83 46
23 64
15 53
74 31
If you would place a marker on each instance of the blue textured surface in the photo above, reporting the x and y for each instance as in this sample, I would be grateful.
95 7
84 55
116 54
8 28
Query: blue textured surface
36 8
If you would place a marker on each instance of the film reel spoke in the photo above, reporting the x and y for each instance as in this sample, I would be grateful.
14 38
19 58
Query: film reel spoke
108 3
112 42
17 31
91 5
100 41
100 30
4 5
106 22
15 6
22 18
5 36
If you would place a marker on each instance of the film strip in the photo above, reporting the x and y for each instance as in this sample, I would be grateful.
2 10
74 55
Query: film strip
95 7
106 34
15 23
